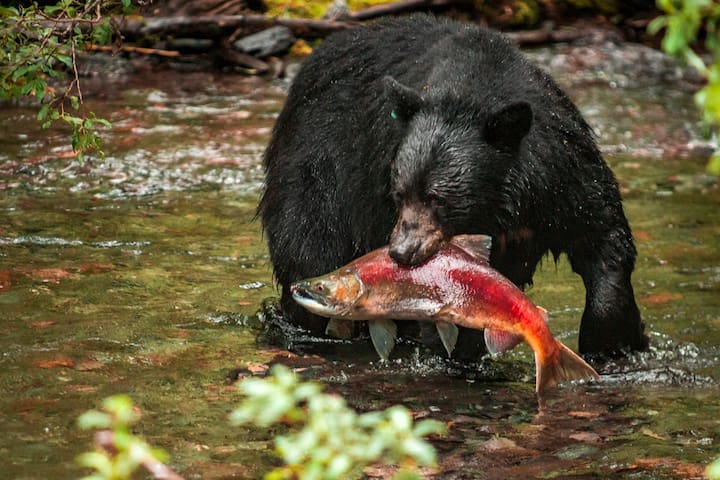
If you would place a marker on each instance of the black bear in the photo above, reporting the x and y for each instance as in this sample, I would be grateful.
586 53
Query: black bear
408 131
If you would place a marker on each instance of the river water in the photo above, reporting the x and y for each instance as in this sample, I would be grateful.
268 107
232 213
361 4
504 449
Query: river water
142 273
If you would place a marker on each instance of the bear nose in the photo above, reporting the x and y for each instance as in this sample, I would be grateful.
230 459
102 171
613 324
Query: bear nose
416 236
405 251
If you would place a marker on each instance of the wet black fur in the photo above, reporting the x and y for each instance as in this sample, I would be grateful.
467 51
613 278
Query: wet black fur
451 115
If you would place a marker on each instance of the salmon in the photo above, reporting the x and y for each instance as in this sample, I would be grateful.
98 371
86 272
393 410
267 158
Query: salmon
455 287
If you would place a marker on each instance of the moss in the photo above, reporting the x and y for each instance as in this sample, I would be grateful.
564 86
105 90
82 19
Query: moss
312 9
599 6
514 13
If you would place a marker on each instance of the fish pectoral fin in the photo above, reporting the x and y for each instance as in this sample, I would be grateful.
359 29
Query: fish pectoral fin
500 341
448 335
383 334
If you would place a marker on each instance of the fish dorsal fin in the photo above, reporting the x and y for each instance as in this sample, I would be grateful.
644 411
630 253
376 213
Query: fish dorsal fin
448 335
477 246
500 341
544 314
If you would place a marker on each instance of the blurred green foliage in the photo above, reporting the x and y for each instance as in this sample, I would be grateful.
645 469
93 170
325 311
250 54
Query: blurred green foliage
683 22
712 472
39 45
328 440
116 417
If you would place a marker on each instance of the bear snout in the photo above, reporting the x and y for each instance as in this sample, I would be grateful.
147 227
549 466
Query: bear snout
417 235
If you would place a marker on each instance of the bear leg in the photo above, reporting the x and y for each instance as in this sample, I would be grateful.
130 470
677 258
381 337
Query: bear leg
611 324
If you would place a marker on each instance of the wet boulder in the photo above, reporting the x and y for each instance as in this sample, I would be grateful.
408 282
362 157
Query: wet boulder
272 41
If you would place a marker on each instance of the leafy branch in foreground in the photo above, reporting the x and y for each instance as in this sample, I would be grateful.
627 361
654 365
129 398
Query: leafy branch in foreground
682 23
40 45
119 453
330 440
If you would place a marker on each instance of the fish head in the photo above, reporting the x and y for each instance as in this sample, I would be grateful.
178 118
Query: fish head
372 287
333 295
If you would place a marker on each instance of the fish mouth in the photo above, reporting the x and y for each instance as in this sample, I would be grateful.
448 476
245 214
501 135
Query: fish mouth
329 296
304 295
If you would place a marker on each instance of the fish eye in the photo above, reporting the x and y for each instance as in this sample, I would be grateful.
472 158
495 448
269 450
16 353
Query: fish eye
319 287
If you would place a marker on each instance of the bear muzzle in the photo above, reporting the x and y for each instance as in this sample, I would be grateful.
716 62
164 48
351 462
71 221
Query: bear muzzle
417 235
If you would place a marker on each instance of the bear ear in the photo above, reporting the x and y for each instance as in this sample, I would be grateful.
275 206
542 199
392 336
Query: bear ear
507 127
404 101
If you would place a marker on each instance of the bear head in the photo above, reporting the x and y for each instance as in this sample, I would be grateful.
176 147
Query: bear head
450 165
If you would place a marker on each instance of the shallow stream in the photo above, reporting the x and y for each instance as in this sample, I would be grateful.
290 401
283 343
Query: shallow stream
143 274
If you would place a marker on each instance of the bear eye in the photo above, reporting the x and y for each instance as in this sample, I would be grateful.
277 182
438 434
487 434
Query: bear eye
434 200
397 198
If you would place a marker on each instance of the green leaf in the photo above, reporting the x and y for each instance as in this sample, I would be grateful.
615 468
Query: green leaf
43 112
53 9
102 34
283 376
307 390
97 461
666 5
66 59
406 475
242 415
713 168
6 12
656 25
122 407
253 387
400 418
23 71
274 410
339 465
420 450
696 62
426 427
94 419
713 470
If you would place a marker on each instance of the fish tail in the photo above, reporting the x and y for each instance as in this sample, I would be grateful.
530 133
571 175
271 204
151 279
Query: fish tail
569 366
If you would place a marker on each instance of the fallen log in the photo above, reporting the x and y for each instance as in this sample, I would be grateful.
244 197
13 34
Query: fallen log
132 49
232 57
529 38
223 26
216 26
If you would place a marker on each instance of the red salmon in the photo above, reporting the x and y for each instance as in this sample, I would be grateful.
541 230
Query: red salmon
455 286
